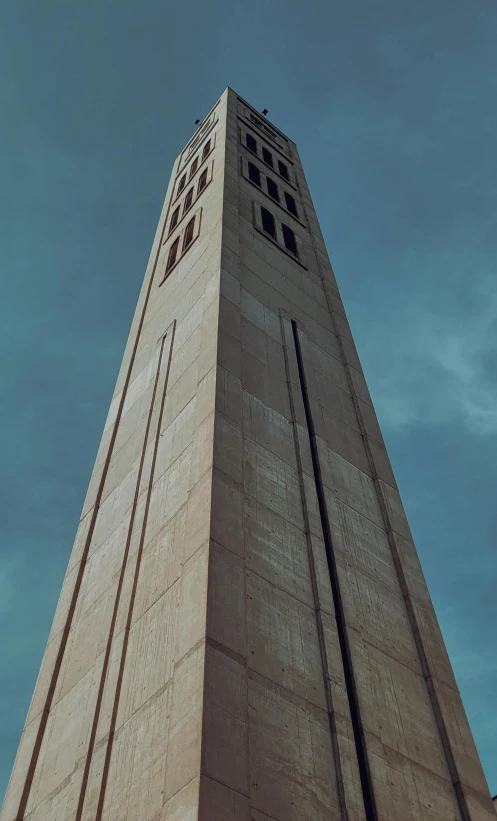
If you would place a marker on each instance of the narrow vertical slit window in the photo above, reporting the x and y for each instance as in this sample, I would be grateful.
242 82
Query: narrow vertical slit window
173 253
206 149
267 157
272 189
202 181
174 219
182 183
189 234
291 204
188 201
268 222
251 143
254 174
368 795
283 169
194 167
289 239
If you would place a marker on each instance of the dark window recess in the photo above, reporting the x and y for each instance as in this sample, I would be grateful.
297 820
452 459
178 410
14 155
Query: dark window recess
267 157
254 174
194 167
289 239
202 181
291 204
173 253
189 234
207 148
283 170
251 143
263 127
174 219
188 201
272 189
182 183
268 222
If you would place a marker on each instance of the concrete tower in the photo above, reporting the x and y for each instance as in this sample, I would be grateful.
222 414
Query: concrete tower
244 632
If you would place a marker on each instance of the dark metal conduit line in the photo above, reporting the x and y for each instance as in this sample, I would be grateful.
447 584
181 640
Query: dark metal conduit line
353 699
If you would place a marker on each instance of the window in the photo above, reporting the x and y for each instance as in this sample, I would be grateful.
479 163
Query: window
289 239
283 170
251 143
202 181
267 157
268 223
194 167
207 148
189 233
173 253
291 204
188 201
272 189
174 219
182 183
254 174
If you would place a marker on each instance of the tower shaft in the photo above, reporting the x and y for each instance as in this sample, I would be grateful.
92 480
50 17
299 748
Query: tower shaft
244 632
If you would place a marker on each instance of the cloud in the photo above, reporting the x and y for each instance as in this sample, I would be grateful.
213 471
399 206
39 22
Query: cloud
432 366
10 567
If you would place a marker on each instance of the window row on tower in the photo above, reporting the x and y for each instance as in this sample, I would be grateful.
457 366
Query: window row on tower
268 157
191 190
266 183
191 196
192 169
278 231
182 242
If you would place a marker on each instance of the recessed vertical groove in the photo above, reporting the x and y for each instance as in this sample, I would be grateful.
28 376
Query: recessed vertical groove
30 773
425 664
325 666
350 684
117 601
117 697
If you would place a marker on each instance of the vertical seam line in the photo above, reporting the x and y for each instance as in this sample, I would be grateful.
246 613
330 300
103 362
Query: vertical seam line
117 600
117 697
30 773
317 604
350 684
428 676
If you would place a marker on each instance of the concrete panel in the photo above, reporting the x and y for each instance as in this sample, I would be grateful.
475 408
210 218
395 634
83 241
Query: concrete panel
272 482
227 512
292 774
396 708
219 803
283 643
226 609
183 805
268 428
137 766
277 551
150 661
225 730
349 485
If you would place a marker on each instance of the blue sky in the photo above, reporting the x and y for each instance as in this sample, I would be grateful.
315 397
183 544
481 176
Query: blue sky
392 105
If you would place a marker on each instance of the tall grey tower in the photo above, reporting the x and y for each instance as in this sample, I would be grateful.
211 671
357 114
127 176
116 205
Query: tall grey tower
244 632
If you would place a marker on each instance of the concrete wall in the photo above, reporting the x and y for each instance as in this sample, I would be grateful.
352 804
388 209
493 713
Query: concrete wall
244 631
278 733
114 726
